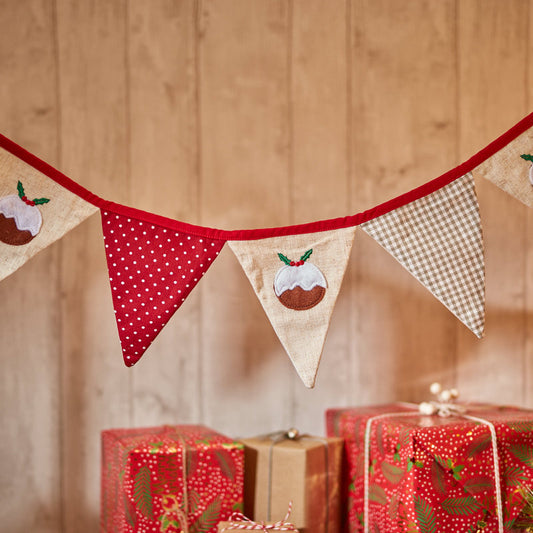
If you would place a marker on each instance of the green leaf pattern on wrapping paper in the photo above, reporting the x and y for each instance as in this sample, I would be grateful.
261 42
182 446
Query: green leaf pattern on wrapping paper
225 460
425 515
377 494
521 426
130 512
397 452
514 476
392 473
479 444
393 506
460 506
208 519
379 438
438 477
479 484
193 501
523 452
142 491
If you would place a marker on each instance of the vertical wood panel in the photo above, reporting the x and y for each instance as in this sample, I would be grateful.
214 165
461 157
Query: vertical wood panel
403 108
527 387
164 180
30 488
244 142
319 180
492 91
94 137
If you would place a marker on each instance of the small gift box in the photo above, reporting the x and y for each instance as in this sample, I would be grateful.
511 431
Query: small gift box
413 470
169 479
288 467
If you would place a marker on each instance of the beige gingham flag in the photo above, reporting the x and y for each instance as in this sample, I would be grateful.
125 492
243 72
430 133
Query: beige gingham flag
35 211
438 239
297 279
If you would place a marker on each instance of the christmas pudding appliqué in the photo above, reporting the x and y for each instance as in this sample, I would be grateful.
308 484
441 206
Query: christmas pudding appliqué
299 285
20 218
529 157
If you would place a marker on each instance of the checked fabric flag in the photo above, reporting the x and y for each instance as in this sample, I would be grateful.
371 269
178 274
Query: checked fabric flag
152 270
438 239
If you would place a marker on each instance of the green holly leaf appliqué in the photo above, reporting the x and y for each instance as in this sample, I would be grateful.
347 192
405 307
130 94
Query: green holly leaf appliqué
425 515
142 491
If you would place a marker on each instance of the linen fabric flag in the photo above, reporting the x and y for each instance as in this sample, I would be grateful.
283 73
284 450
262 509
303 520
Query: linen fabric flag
438 239
35 211
297 279
511 168
152 270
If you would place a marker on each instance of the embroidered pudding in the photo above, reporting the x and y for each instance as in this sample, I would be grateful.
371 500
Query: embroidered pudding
299 285
20 218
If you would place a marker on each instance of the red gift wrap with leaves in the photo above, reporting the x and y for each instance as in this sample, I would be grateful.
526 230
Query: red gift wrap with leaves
169 479
433 474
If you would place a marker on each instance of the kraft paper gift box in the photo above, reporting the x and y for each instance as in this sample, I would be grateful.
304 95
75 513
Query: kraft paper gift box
305 471
169 479
428 473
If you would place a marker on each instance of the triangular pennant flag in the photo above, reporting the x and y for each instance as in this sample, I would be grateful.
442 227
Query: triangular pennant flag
152 270
511 168
438 239
297 279
35 211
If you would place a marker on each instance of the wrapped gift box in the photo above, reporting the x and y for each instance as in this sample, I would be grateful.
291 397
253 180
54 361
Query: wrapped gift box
305 471
433 474
169 479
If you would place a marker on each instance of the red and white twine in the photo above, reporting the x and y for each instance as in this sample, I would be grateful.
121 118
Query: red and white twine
239 521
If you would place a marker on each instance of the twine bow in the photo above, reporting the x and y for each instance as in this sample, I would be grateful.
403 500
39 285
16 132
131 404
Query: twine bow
445 405
239 521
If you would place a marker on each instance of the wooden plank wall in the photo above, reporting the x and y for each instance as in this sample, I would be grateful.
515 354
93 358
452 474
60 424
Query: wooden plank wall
239 113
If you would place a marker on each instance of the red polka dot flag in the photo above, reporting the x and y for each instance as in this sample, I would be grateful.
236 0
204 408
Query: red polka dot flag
152 270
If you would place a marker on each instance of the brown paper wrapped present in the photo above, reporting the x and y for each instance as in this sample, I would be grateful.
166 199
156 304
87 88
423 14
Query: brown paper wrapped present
286 467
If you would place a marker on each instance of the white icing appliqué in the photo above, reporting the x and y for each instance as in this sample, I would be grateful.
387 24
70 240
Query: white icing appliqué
306 276
27 217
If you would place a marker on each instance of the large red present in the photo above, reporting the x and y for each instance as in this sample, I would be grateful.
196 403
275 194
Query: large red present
434 474
169 479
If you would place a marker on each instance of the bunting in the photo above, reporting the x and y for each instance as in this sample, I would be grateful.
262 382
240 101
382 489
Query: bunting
434 231
34 212
297 279
152 270
438 240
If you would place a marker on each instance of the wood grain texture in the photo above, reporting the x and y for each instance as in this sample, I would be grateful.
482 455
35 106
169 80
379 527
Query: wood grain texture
30 476
239 114
96 388
164 179
244 142
403 127
318 172
492 93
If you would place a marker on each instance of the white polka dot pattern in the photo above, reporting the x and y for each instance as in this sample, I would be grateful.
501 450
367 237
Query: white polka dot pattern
152 270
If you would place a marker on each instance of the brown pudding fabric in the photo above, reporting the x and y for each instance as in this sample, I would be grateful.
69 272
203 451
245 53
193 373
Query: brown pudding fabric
300 299
10 234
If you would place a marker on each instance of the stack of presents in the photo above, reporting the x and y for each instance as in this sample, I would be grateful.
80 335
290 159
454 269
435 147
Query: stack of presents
429 468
